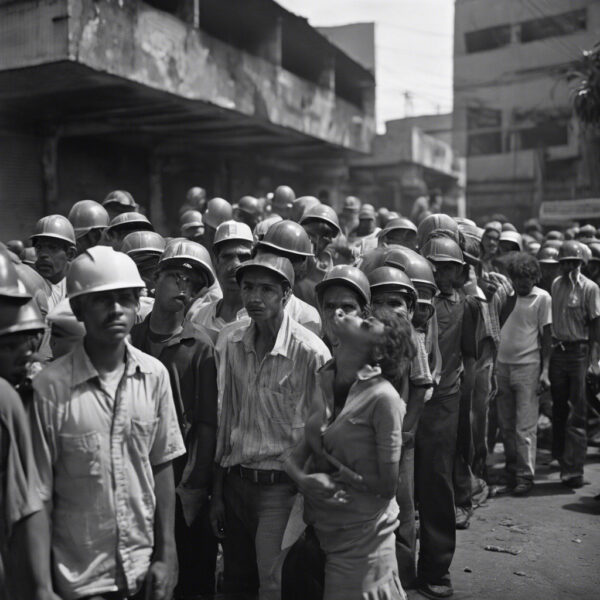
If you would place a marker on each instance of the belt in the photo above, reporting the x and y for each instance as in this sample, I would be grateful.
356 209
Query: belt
260 476
565 346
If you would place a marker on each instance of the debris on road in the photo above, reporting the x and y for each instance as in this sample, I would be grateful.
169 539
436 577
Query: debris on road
505 550
520 573
467 570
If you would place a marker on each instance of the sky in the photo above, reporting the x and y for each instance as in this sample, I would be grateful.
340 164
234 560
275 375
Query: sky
413 40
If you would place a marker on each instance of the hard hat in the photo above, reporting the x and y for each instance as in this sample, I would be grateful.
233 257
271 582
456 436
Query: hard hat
61 318
185 253
29 256
571 233
301 205
55 226
587 253
218 210
19 318
233 231
367 211
436 222
470 230
261 228
513 237
101 269
86 215
464 221
11 288
443 249
249 204
321 213
372 259
548 255
143 241
555 235
347 276
191 218
392 279
121 197
399 223
532 225
278 265
16 246
595 250
287 236
130 220
284 196
493 226
416 267
351 204
587 231
553 244
195 192
571 250
508 227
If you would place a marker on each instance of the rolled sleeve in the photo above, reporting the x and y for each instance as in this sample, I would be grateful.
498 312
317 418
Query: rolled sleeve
388 414
168 442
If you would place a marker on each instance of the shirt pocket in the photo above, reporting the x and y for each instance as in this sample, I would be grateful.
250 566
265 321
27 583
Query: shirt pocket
142 435
80 454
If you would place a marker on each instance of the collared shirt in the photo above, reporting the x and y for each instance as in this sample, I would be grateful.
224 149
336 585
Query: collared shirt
264 403
212 294
95 454
574 305
19 496
189 357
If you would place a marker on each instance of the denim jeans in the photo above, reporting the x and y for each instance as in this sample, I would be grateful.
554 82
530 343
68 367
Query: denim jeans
435 450
569 408
255 519
518 410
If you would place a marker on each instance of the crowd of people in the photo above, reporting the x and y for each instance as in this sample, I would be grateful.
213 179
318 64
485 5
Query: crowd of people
283 401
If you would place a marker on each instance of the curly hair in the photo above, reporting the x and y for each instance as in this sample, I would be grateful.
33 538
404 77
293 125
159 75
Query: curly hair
398 348
523 264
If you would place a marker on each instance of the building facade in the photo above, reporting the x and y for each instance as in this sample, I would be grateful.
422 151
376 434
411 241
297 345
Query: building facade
513 117
157 96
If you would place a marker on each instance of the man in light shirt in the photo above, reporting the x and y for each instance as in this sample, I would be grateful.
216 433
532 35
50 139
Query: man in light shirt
105 433
268 373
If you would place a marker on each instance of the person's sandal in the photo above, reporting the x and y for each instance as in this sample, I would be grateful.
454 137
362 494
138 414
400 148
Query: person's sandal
522 488
430 590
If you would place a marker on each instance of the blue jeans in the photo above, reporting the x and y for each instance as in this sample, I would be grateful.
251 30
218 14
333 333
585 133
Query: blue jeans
518 410
255 519
568 368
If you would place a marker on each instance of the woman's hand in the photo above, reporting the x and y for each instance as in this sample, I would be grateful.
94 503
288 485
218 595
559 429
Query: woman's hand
317 485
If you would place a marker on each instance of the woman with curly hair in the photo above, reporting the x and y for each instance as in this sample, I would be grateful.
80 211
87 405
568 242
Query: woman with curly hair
347 468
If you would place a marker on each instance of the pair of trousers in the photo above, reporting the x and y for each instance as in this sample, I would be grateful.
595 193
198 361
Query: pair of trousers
480 403
435 450
256 516
569 408
406 534
196 553
518 410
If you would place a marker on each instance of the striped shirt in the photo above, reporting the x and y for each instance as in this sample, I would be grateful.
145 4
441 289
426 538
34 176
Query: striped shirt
264 404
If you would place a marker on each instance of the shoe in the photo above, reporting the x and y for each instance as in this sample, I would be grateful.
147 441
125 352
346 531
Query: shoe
523 488
481 495
575 482
430 590
463 517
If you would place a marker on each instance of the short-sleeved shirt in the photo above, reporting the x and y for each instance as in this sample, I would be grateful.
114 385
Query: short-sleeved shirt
368 430
19 495
520 334
212 293
264 404
95 452
574 305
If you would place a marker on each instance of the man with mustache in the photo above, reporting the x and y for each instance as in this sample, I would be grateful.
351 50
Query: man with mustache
268 369
187 352
105 434
55 245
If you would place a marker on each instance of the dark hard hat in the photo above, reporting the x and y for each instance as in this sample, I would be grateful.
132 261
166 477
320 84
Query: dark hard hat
587 231
301 205
553 243
399 223
323 214
508 227
10 286
195 192
130 220
548 255
182 252
532 224
16 246
19 318
143 241
347 276
571 250
191 218
218 210
121 197
392 279
367 211
284 196
416 267
86 215
56 227
250 205
278 265
555 235
351 204
442 249
287 236
436 222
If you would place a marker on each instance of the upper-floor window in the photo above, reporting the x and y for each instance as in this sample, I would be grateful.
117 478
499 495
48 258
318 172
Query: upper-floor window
487 39
553 26
481 118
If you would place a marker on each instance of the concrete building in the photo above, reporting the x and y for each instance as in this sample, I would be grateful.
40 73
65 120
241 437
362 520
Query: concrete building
513 118
238 96
413 158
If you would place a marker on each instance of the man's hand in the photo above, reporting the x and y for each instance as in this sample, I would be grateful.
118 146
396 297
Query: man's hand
318 485
544 380
160 581
216 516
